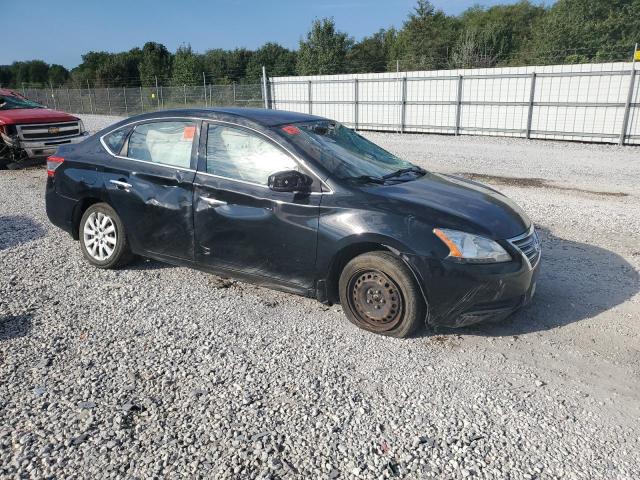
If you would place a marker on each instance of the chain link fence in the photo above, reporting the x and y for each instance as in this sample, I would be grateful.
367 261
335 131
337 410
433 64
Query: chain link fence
133 100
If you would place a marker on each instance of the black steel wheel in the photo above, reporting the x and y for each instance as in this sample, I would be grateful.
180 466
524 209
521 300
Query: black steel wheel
379 293
376 300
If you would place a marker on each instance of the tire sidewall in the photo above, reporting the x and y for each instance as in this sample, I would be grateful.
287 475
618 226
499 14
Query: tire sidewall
414 313
120 247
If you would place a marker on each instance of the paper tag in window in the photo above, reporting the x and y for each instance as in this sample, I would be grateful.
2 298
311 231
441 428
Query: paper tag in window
189 132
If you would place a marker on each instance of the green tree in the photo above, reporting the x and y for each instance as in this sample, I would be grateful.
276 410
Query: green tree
237 62
278 61
20 73
425 40
155 63
38 72
215 64
584 30
6 76
187 67
324 51
119 69
493 36
88 68
57 75
371 54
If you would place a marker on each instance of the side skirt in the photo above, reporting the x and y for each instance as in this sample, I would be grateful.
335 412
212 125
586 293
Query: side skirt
260 280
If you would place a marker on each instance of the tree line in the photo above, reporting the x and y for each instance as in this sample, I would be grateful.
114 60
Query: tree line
569 31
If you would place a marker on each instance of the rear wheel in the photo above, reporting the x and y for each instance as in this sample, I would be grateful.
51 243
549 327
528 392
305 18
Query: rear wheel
379 293
102 237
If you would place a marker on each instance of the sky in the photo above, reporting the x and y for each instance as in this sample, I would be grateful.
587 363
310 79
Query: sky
61 31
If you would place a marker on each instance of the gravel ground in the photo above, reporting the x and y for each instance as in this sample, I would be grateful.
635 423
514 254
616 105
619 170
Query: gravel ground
158 371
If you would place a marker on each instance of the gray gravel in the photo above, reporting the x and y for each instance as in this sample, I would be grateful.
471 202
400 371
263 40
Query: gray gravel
158 371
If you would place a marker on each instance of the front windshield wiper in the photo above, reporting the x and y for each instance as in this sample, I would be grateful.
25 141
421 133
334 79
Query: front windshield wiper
402 171
368 179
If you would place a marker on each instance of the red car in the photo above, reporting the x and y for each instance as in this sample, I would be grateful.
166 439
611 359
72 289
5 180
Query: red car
29 132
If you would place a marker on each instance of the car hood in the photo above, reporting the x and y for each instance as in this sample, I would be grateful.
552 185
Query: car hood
452 202
33 115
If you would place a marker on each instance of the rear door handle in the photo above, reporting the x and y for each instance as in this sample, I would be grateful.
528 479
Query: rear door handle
119 184
212 201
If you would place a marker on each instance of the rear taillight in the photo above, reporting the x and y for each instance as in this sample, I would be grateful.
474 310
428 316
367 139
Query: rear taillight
52 164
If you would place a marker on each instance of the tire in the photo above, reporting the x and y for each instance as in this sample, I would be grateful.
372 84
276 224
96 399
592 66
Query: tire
103 240
379 293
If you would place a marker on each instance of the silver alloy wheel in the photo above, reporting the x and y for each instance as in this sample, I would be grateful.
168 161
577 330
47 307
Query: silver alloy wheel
100 236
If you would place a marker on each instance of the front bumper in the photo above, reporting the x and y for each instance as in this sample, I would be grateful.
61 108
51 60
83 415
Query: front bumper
462 294
41 148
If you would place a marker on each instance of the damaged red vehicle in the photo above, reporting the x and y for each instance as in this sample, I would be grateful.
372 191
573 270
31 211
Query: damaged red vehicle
29 132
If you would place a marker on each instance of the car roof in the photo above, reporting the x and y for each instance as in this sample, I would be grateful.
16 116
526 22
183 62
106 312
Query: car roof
262 116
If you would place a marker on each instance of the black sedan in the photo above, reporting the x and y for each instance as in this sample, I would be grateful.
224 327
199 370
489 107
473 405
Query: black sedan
298 203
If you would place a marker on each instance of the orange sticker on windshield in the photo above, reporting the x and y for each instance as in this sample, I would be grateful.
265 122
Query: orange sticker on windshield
189 133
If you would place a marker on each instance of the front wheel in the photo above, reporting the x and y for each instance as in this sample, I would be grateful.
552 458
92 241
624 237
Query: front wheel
102 237
379 293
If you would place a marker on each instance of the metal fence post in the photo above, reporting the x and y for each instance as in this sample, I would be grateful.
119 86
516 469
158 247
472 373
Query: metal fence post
627 106
141 99
403 104
234 93
157 92
355 104
459 104
310 88
126 108
69 99
109 100
532 94
184 91
204 88
90 101
53 97
265 88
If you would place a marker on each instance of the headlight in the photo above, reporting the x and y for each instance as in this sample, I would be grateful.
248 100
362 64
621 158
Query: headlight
466 247
81 126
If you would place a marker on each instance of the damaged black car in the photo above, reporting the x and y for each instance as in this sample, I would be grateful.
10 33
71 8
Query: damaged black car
298 203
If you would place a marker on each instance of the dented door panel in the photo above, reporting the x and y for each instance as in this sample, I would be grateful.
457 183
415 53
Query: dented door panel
249 228
156 208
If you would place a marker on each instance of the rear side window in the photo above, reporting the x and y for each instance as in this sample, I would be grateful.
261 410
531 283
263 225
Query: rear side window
237 154
116 139
167 143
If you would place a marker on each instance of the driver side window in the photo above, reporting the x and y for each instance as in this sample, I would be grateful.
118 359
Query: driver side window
241 155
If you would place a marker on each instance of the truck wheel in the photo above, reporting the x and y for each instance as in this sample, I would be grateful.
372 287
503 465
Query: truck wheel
103 240
379 293
5 155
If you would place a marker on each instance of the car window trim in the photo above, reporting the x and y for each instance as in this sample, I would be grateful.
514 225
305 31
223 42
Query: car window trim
269 140
194 145
202 120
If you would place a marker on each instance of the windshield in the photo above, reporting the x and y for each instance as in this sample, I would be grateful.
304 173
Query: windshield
8 102
348 155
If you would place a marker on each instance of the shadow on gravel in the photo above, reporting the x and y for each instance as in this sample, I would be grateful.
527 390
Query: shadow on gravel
14 326
147 264
577 281
17 229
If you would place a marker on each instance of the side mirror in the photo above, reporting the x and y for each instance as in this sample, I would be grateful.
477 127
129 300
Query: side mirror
289 181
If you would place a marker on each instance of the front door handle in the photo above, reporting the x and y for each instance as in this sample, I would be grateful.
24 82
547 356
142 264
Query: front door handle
212 201
120 184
